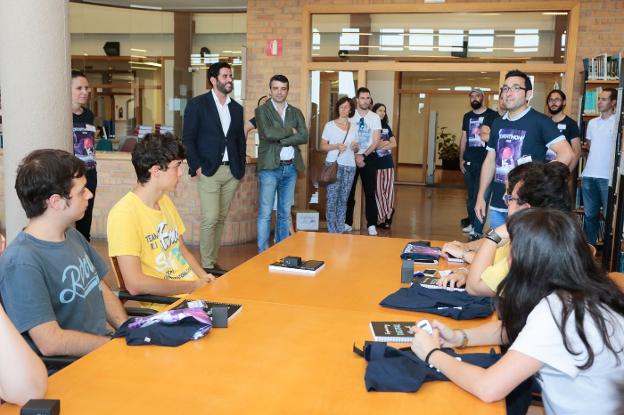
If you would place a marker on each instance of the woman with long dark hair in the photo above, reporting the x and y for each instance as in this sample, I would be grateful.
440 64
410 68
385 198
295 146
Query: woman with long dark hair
561 314
384 192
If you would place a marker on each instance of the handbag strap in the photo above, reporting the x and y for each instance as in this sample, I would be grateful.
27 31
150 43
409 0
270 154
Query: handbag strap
345 137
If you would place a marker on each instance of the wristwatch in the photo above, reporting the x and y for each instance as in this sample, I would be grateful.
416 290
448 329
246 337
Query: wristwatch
493 236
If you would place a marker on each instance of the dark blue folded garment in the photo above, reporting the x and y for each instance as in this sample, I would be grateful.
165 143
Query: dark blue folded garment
455 304
400 370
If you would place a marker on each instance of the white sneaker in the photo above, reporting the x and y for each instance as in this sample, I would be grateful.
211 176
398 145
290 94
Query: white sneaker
347 228
468 229
372 230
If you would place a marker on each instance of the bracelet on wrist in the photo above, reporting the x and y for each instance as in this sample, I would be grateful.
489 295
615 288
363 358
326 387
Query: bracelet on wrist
430 353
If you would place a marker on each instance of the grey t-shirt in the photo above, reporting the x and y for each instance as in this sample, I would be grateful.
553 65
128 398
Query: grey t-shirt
44 281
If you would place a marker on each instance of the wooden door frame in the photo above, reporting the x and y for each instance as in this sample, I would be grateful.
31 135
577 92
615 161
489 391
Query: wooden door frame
567 67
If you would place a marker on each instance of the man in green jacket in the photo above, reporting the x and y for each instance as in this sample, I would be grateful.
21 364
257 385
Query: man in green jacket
281 128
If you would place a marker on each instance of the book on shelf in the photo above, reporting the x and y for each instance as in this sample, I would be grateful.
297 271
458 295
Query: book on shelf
590 105
233 309
603 67
392 331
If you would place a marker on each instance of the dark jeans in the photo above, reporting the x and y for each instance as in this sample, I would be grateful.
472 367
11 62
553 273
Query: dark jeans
368 173
84 225
471 179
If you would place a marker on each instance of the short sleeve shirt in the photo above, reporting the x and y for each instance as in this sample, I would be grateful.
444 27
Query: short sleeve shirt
365 127
566 389
569 128
490 117
601 133
475 147
135 229
43 281
493 275
334 135
384 156
518 141
84 137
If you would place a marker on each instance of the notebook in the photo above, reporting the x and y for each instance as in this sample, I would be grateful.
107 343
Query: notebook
308 268
392 331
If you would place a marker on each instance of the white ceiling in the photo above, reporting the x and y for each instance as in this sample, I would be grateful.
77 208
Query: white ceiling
176 5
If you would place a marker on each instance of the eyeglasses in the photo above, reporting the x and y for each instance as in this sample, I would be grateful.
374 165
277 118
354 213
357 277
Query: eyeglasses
508 198
513 88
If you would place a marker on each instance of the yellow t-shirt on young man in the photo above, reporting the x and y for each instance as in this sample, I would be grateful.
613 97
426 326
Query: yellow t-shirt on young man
136 229
493 275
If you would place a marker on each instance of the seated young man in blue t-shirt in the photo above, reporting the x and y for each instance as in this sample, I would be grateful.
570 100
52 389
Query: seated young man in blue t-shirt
50 277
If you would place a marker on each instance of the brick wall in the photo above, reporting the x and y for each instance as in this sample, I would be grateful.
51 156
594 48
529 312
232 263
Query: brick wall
116 177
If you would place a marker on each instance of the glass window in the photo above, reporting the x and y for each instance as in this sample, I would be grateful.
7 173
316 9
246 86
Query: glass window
350 39
517 37
481 40
451 40
420 39
391 39
526 40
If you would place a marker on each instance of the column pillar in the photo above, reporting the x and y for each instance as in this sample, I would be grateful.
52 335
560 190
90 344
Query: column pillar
35 81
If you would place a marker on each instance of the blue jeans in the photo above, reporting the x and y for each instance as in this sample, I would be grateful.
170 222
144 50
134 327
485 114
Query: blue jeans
595 194
282 181
497 218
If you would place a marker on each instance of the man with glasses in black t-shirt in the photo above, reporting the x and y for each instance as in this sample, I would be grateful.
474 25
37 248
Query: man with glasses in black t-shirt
520 136
556 102
471 154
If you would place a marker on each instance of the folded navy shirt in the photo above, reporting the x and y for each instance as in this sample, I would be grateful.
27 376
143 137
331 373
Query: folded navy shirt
400 370
454 304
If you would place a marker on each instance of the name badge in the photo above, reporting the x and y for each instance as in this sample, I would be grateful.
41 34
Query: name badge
90 127
524 159
561 126
481 120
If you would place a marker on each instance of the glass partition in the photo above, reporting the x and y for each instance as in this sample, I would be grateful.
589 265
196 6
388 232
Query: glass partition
128 55
481 37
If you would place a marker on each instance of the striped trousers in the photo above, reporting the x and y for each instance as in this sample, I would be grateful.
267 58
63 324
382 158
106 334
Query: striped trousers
384 194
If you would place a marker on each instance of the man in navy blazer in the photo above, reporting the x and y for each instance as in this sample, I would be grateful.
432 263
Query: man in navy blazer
215 147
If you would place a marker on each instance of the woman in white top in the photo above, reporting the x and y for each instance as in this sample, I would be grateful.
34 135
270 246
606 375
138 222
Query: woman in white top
339 139
563 319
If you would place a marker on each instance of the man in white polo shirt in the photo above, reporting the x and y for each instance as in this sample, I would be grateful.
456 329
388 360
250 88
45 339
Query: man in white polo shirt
601 140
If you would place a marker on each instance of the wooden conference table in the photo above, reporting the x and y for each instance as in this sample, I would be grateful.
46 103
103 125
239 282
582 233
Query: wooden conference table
288 351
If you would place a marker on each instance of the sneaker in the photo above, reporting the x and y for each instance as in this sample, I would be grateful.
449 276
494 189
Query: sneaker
468 229
348 228
372 230
465 222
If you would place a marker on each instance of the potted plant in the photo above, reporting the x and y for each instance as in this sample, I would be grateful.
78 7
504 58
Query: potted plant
448 149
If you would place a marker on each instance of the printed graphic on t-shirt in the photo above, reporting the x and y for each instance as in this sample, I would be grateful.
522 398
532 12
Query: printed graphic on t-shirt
551 155
170 259
84 144
474 134
509 150
384 137
80 278
365 134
